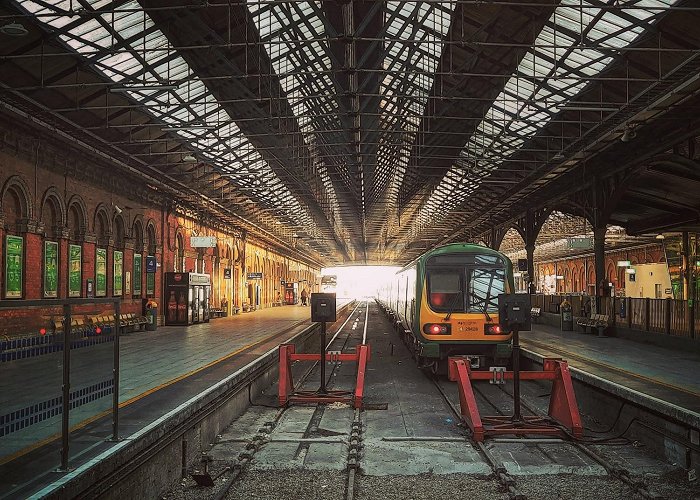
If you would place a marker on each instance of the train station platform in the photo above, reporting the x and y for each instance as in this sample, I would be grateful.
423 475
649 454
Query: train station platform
659 373
160 370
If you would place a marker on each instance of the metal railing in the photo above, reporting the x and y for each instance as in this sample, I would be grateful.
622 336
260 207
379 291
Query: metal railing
678 318
65 344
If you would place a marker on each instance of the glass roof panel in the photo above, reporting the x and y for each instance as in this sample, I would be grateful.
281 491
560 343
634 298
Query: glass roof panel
175 107
537 81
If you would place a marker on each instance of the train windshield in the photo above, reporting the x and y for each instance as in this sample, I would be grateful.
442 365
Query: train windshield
464 288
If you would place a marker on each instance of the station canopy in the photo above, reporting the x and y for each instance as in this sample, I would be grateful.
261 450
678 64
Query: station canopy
371 131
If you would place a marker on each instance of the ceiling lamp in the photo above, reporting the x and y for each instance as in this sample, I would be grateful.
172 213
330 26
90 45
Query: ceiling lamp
189 158
13 29
628 134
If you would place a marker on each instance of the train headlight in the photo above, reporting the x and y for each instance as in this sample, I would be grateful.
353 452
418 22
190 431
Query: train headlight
490 329
436 328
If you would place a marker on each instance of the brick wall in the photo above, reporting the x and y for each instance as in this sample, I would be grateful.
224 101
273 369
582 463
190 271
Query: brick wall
86 196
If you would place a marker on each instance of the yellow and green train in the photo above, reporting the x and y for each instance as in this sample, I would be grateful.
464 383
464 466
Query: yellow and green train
445 303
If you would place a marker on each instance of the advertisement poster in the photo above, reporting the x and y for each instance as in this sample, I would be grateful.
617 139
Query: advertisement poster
75 270
137 274
50 269
118 272
150 284
101 272
151 275
13 267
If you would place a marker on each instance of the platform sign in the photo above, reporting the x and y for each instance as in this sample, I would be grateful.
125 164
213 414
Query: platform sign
151 264
255 276
202 241
75 266
14 246
227 273
50 269
585 243
100 272
137 273
118 276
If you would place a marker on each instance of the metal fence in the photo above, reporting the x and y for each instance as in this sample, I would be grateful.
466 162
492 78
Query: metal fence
54 383
678 318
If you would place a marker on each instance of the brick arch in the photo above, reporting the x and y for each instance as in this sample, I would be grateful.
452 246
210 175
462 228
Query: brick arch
120 231
101 223
151 241
15 200
76 217
53 200
137 233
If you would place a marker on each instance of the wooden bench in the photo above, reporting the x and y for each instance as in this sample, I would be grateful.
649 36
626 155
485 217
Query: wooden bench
215 312
596 322
535 313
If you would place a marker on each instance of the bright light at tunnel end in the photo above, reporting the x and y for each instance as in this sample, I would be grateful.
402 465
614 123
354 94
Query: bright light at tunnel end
359 282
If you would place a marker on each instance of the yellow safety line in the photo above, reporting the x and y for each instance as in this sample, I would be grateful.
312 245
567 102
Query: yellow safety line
611 367
123 404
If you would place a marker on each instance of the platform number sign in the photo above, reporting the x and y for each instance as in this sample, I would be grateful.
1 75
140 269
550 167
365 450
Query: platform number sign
118 269
14 246
101 272
75 270
50 269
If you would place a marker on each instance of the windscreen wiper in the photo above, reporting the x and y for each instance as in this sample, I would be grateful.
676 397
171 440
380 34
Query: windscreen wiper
452 305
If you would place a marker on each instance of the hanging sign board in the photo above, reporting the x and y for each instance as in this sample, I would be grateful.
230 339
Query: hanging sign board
13 267
75 270
101 272
151 264
580 243
202 241
227 273
137 274
50 269
118 268
255 276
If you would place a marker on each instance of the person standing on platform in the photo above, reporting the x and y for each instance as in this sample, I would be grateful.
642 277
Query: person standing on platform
304 295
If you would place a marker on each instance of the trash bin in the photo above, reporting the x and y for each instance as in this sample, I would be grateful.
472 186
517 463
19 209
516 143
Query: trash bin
566 316
151 315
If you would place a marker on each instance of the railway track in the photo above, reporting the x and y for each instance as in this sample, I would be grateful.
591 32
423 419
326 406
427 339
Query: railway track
236 469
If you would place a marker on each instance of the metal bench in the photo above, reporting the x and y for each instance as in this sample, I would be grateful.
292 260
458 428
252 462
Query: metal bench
597 322
535 313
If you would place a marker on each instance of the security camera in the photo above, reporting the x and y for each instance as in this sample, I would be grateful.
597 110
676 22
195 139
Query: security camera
117 210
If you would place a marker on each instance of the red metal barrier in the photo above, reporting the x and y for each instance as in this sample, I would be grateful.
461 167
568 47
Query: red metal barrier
563 410
287 394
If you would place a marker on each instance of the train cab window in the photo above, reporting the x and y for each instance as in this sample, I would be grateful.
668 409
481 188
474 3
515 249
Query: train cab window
484 287
445 290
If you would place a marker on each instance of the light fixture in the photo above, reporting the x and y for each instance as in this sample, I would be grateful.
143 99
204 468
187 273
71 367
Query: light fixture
560 277
145 86
117 210
577 107
623 263
660 236
628 134
13 29
189 158
189 127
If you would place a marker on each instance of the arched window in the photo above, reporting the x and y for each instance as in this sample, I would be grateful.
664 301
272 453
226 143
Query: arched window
137 235
16 212
52 219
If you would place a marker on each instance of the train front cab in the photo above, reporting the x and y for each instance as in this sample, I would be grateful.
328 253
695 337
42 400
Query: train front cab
459 308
